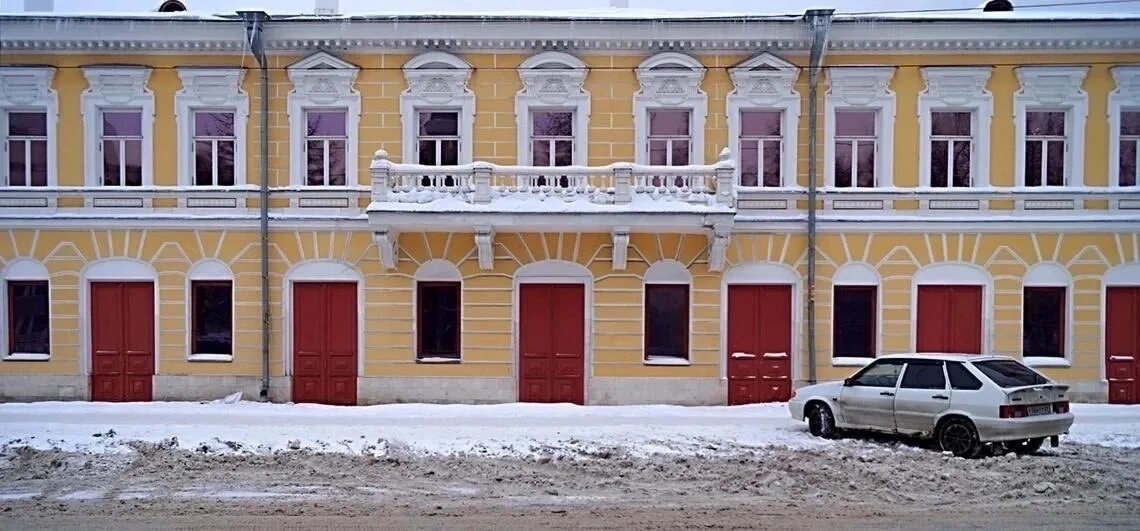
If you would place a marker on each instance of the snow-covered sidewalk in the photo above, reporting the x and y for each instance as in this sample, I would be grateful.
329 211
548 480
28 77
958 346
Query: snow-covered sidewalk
506 429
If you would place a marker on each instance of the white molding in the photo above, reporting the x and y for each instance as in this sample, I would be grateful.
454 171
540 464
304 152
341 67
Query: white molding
957 89
1126 97
387 240
861 88
319 270
24 268
438 270
1047 274
670 80
1053 88
21 269
955 274
761 273
668 272
719 236
766 83
558 88
1122 275
119 269
210 89
856 274
115 270
1052 274
209 269
485 243
620 236
29 88
322 81
116 87
556 272
437 81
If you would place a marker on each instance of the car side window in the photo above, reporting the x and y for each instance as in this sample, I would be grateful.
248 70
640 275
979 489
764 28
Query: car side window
961 379
883 373
923 374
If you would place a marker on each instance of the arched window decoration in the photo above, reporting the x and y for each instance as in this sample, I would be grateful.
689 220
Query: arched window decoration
668 285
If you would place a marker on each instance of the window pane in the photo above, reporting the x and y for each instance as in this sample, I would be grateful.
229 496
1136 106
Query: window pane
1130 123
563 153
749 163
27 124
962 378
881 374
39 163
438 324
213 124
680 153
1033 163
951 123
961 163
855 123
550 123
1055 171
1127 163
1010 373
669 123
315 150
326 123
427 152
843 163
122 123
111 163
28 310
132 157
760 123
772 163
1044 321
336 163
439 123
923 375
657 152
203 163
226 163
938 168
1050 123
866 164
541 153
449 152
667 320
213 317
853 332
17 163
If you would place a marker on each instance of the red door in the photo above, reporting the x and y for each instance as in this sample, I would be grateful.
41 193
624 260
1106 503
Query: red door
122 341
324 342
1122 345
949 319
759 344
552 337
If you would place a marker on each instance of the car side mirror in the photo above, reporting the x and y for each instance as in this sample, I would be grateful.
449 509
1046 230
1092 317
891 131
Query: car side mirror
847 382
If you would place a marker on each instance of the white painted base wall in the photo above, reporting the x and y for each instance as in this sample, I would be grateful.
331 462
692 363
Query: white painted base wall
193 387
386 390
34 388
677 391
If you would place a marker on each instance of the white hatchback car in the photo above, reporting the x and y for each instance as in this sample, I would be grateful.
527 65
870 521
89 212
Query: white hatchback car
962 402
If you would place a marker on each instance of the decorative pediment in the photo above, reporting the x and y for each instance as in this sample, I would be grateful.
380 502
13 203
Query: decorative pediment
385 239
765 79
552 78
1050 85
117 84
437 77
211 86
670 78
860 85
1127 80
25 85
485 243
621 247
323 78
956 86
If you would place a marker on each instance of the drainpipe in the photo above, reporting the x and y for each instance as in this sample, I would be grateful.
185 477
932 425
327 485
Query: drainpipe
819 20
254 25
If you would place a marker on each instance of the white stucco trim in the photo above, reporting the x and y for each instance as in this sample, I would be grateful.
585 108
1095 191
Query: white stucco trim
29 89
861 88
111 88
754 273
438 270
209 269
668 272
115 270
957 89
21 269
951 274
1126 97
857 274
670 80
320 271
1051 274
553 81
1047 274
437 81
767 83
555 272
1053 88
322 81
210 89
1123 275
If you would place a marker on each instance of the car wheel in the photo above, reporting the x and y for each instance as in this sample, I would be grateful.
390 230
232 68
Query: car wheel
821 423
959 437
1026 446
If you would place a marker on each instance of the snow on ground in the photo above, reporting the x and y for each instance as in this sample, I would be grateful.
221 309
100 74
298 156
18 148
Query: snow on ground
504 429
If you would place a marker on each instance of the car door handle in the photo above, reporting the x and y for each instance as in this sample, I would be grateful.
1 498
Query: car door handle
940 397
886 393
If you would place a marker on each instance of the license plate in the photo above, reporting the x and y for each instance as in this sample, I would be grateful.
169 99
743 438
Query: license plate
1046 409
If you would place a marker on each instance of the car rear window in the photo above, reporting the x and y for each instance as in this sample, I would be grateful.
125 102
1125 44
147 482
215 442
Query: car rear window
1010 373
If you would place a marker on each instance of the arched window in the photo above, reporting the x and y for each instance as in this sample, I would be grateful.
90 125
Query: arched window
854 314
211 311
552 111
668 286
439 301
25 311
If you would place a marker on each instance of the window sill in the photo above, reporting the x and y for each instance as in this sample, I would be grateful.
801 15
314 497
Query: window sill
211 357
27 356
676 361
436 360
1046 361
851 362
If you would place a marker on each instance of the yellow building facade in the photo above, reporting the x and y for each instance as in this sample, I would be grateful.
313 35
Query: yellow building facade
609 211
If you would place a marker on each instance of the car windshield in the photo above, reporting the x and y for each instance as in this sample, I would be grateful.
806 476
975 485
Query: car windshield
1010 373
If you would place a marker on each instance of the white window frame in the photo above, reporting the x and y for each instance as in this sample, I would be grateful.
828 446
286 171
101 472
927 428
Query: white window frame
28 89
861 88
767 83
865 275
1126 97
436 139
1051 275
111 89
675 273
1053 88
210 270
553 81
437 81
22 269
210 90
670 81
957 89
325 141
322 82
